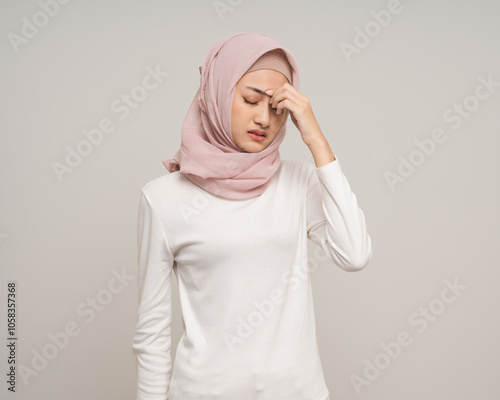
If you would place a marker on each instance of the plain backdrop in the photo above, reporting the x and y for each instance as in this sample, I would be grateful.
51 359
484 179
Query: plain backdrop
400 89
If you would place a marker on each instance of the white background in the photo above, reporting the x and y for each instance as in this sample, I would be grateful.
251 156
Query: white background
63 240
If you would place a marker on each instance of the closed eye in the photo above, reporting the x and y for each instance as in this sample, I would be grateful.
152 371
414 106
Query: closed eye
249 102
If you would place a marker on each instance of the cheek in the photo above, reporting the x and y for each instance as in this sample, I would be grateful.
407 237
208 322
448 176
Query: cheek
278 121
238 119
235 115
243 114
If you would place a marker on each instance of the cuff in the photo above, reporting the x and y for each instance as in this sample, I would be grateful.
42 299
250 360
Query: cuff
328 168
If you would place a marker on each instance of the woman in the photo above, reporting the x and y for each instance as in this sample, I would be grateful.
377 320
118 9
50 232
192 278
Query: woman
232 220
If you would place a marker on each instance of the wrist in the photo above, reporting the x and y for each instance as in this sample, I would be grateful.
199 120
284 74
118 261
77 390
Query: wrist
321 152
318 141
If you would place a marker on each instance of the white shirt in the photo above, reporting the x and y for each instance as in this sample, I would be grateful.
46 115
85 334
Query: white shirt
244 286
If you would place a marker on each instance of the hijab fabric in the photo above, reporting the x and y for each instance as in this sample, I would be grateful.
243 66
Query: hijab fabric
275 60
207 155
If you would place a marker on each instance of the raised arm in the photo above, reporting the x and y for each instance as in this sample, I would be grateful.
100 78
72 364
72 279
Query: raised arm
334 220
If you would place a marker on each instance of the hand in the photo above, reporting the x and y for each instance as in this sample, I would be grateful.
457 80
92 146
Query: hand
286 97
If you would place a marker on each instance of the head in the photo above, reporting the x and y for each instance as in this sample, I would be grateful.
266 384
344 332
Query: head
217 153
251 110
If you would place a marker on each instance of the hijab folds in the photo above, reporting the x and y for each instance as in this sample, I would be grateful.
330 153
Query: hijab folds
207 155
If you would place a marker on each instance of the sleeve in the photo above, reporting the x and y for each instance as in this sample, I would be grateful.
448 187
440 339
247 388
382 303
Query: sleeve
152 336
334 220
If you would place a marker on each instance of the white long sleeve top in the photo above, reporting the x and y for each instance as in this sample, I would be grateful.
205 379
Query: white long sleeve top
244 285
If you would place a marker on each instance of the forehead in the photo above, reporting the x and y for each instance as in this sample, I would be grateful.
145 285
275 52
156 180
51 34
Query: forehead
262 79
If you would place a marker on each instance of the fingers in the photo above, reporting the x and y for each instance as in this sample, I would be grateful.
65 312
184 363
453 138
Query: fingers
285 91
285 98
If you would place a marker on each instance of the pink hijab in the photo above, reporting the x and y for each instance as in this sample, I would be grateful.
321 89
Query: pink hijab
208 156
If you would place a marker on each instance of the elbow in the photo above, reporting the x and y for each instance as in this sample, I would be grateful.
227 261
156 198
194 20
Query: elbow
353 263
358 260
351 258
357 264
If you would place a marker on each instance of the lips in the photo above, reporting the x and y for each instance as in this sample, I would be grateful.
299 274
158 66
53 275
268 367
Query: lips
257 135
258 132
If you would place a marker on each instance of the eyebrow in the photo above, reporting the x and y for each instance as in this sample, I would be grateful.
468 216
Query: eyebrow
257 90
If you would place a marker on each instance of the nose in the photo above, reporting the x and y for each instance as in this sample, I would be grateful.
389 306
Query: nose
263 114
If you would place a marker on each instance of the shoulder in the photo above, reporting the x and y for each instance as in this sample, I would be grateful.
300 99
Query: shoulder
166 188
294 176
297 169
160 183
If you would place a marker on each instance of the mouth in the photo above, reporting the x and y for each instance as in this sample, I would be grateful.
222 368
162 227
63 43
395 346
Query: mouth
257 135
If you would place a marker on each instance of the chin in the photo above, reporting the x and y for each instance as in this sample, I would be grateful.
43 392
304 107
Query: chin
253 147
248 150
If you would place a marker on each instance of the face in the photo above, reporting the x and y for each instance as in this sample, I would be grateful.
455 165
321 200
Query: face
251 110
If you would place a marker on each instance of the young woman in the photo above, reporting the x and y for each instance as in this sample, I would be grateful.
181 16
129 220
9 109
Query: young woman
232 220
